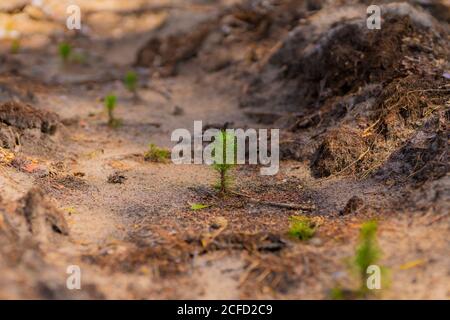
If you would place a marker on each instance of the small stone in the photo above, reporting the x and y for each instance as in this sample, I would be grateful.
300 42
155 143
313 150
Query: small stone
316 242
355 203
215 226
116 178
177 111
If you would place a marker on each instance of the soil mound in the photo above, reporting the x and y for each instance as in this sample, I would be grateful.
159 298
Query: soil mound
23 125
30 231
163 54
24 116
35 219
361 96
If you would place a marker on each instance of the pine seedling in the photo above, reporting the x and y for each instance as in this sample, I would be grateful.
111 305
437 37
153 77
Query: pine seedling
131 81
110 104
367 252
224 141
337 293
156 154
65 51
301 227
15 46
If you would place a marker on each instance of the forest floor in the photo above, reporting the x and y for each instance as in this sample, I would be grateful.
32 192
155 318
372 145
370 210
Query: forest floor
138 238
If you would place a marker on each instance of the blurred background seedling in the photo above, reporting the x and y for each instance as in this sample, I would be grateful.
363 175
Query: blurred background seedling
367 253
65 51
131 81
110 104
15 46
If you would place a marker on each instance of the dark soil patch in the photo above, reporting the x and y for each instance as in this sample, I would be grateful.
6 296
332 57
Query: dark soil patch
164 54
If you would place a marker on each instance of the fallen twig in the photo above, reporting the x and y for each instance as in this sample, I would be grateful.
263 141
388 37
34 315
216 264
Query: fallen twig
362 155
438 218
291 206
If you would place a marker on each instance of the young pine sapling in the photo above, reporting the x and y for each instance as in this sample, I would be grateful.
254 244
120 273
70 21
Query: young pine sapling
131 83
15 46
110 104
65 51
222 164
156 154
367 252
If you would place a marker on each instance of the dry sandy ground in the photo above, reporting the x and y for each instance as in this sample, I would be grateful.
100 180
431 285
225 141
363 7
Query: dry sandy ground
140 239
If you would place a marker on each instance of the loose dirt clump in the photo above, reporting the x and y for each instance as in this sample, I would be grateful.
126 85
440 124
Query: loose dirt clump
408 107
32 230
354 204
432 196
423 157
324 58
23 116
221 41
163 260
15 92
374 87
283 272
28 229
269 273
25 127
116 178
34 219
58 184
42 220
262 242
409 122
261 19
163 55
339 151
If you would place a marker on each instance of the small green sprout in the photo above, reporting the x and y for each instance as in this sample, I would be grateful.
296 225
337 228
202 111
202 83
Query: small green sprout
156 154
199 206
110 104
223 142
367 252
65 51
15 46
301 227
131 81
337 293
